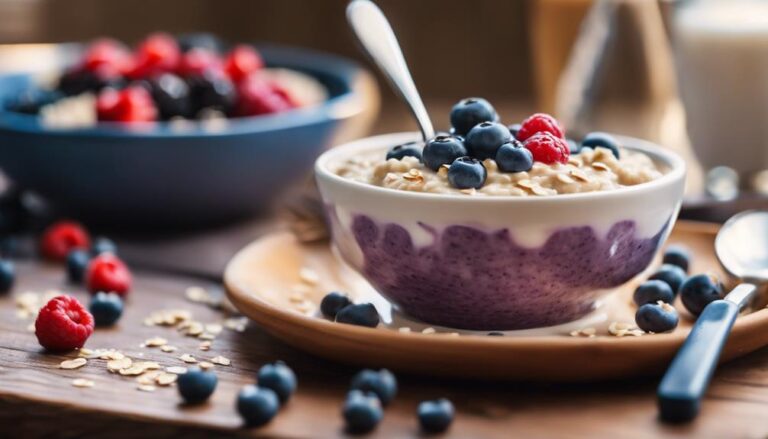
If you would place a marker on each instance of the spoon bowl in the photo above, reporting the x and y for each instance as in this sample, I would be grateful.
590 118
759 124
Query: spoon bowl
742 246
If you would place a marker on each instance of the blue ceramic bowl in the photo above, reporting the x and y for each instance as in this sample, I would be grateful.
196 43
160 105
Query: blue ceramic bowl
151 174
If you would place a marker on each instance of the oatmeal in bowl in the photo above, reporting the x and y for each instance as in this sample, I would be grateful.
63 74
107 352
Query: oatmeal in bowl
498 229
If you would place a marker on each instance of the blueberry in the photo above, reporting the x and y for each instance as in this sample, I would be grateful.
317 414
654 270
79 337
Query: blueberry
332 303
364 314
200 40
7 275
362 412
435 416
103 245
196 386
78 81
257 405
410 149
673 275
442 150
469 112
485 139
77 261
652 291
212 90
279 378
573 146
171 95
466 173
382 383
512 157
106 308
604 140
514 129
698 291
677 255
653 317
32 100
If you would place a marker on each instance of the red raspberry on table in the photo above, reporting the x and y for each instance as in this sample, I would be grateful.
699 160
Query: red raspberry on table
547 148
109 274
241 62
107 53
196 61
132 104
537 123
62 237
63 324
258 96
158 53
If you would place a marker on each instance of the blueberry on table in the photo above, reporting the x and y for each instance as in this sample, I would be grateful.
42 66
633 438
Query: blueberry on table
603 140
363 314
512 157
362 412
435 416
196 386
442 150
514 129
652 291
106 308
332 303
467 173
382 383
484 140
657 318
103 245
171 95
698 291
410 149
677 255
279 378
77 261
257 405
673 275
469 112
7 275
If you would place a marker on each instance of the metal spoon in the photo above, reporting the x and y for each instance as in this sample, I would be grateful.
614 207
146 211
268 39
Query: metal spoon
742 249
378 40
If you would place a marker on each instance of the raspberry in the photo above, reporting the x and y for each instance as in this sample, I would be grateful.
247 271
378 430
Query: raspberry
108 273
547 148
61 238
63 324
132 104
196 61
257 96
107 53
158 53
537 123
241 62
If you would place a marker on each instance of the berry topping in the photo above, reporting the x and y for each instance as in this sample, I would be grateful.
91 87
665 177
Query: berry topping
470 112
32 101
258 96
158 53
199 40
63 324
442 150
485 139
78 80
7 276
673 275
547 148
196 386
435 416
652 291
77 261
677 255
698 291
513 157
362 412
364 314
279 378
107 272
107 53
332 303
198 61
601 140
106 308
382 383
467 173
132 104
171 95
656 317
514 129
103 245
242 61
257 405
410 149
537 123
212 89
61 238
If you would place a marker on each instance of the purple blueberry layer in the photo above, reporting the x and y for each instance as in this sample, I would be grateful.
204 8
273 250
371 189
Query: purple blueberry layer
473 279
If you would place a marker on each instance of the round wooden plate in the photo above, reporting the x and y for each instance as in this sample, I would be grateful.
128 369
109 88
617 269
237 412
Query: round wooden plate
279 282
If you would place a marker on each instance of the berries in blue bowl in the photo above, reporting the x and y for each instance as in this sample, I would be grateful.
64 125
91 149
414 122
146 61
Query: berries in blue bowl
362 412
485 139
656 317
332 303
363 314
673 275
435 416
7 275
77 262
442 150
513 157
196 386
699 291
602 140
677 255
467 173
410 149
106 308
469 112
652 291
257 405
382 383
279 378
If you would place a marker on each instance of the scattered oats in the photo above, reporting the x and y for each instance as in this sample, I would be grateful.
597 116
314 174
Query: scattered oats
538 190
155 342
187 358
309 276
302 289
84 352
404 329
600 166
578 174
168 348
565 179
166 379
574 161
77 363
453 334
178 370
236 324
305 306
109 354
197 294
214 328
206 336
584 332
429 330
527 184
82 383
665 306
193 329
148 365
205 365
134 370
620 329
205 346
146 388
222 361
117 365
148 377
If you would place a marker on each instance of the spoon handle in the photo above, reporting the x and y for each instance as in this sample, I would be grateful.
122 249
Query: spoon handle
378 39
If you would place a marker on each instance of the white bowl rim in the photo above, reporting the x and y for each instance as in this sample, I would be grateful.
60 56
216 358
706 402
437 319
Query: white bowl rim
676 165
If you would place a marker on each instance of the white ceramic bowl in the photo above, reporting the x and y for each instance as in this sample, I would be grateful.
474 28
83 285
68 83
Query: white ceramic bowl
497 262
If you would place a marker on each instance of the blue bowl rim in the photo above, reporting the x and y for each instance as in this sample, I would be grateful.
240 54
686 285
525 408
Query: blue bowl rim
342 106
